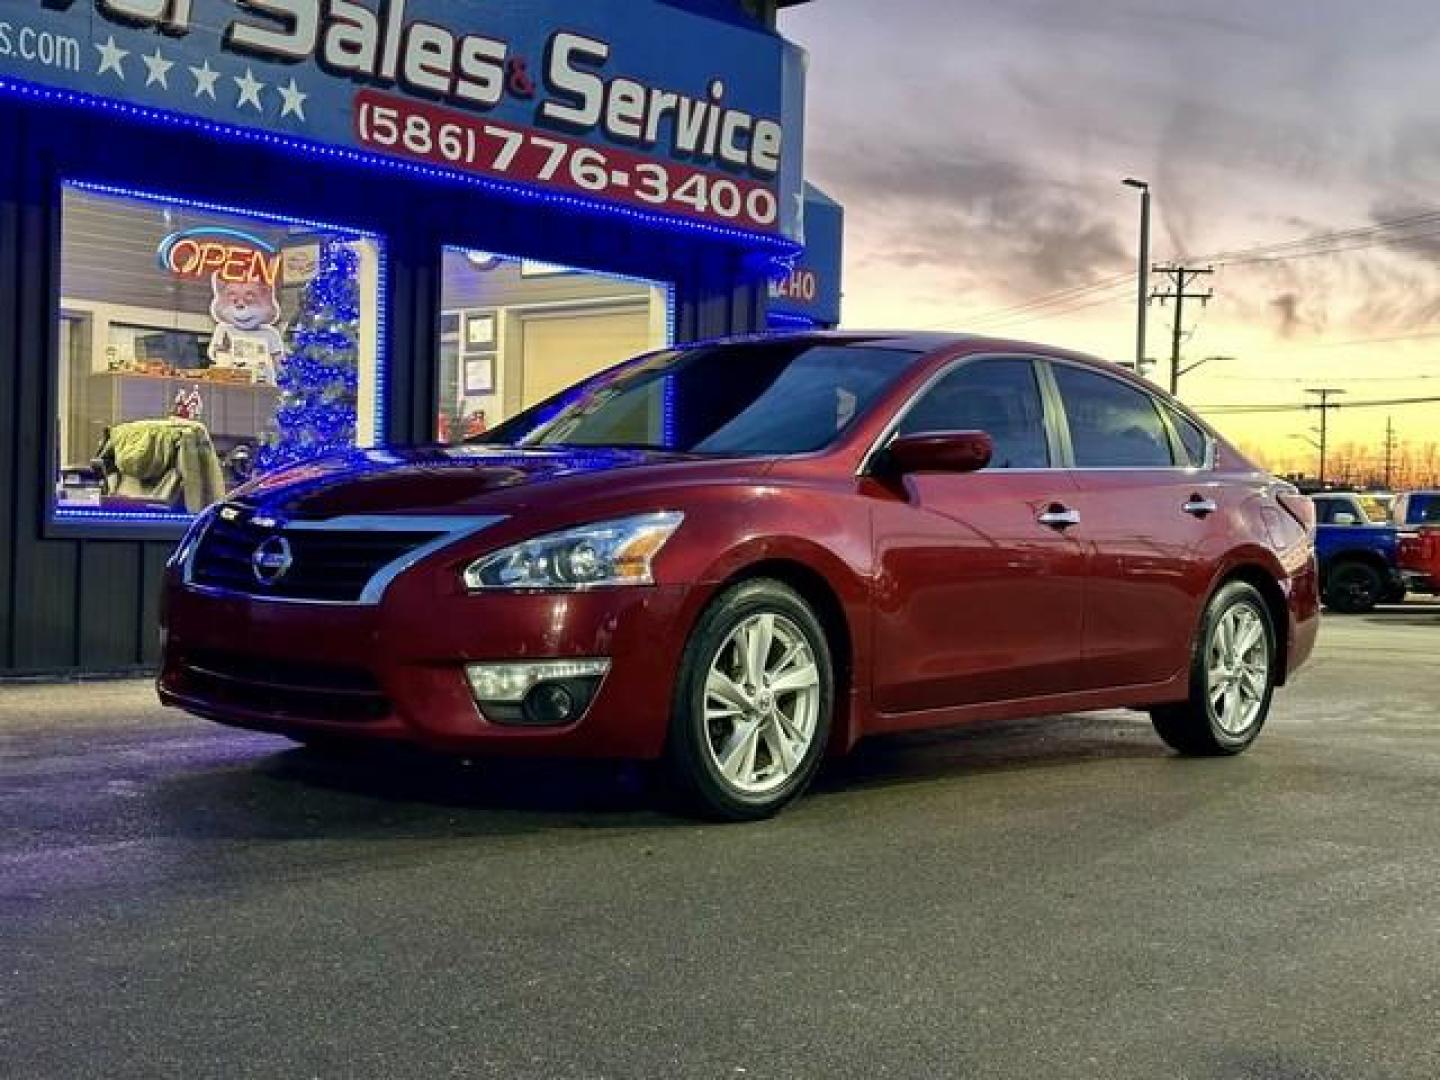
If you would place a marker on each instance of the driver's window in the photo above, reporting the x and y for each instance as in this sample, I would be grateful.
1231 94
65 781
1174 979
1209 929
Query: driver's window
998 397
1337 512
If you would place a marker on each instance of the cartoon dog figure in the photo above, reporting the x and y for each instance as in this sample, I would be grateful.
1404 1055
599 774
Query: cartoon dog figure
246 337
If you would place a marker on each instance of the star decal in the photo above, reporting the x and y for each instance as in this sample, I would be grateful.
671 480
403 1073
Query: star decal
250 88
112 58
293 101
157 69
205 77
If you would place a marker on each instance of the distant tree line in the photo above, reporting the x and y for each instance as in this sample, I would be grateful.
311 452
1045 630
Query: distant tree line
1361 466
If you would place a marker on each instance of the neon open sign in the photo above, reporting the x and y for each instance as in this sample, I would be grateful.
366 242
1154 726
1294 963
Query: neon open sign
232 256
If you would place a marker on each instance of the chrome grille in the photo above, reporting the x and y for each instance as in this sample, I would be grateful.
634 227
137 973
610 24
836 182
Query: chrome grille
325 564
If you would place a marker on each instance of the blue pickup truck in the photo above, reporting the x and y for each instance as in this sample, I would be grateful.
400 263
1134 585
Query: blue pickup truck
1359 552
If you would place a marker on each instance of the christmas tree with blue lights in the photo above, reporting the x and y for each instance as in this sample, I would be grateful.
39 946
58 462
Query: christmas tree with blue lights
319 377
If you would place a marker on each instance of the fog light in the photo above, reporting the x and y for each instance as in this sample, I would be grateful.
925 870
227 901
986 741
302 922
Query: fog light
550 703
509 683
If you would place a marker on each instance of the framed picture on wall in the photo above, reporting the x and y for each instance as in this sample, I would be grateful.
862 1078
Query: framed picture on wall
299 264
479 330
480 374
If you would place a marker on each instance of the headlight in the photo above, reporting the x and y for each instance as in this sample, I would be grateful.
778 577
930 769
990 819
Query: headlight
607 553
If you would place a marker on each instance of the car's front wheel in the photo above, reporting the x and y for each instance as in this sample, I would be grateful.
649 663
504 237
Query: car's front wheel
752 705
1232 677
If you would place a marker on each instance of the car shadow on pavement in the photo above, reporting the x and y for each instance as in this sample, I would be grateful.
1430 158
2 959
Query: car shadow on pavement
1045 742
397 793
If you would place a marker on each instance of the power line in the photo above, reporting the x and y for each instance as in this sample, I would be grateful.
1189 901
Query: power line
1060 297
1043 315
1323 238
1335 250
1306 379
1234 410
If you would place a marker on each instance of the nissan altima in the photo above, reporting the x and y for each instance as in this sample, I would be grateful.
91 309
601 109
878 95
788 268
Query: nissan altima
735 558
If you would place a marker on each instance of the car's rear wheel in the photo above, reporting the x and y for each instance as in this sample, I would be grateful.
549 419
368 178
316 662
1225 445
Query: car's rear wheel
753 703
1232 677
1353 588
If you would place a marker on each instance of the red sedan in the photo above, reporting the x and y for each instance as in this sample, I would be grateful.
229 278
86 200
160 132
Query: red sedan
737 556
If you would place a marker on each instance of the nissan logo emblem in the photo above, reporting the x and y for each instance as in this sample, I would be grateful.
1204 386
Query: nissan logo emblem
271 560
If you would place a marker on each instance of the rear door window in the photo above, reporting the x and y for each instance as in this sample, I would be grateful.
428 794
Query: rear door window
998 397
1112 425
1192 438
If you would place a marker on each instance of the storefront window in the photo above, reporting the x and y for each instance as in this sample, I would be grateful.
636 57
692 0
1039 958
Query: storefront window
199 347
514 331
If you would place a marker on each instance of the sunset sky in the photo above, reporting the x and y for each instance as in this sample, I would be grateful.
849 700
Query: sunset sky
978 147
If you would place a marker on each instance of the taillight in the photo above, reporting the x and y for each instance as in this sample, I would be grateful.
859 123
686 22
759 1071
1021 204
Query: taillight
1297 506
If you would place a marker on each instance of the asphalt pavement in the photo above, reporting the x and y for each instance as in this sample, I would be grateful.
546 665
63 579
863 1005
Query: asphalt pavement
1048 899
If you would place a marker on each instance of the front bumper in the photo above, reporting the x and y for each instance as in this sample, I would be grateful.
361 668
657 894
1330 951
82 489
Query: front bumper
396 670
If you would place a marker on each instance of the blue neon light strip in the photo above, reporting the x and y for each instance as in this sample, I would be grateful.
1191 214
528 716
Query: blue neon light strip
799 322
72 515
779 247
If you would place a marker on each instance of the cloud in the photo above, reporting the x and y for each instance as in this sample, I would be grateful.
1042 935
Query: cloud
1287 310
971 216
978 149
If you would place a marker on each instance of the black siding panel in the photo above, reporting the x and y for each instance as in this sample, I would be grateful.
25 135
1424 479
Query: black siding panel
147 610
9 365
45 606
108 579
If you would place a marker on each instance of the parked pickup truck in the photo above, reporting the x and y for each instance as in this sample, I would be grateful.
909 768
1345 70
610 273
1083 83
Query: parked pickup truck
1417 517
1359 554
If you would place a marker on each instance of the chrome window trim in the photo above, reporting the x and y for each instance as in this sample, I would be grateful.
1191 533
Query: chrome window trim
456 528
955 363
1162 409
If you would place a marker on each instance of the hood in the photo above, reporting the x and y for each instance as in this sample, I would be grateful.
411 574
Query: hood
437 480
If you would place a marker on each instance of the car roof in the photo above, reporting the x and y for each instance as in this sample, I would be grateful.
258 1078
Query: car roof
926 342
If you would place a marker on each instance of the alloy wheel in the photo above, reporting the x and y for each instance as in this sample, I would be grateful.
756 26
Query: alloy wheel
1238 669
762 703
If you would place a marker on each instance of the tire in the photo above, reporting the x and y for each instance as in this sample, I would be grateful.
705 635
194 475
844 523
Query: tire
1229 694
739 748
1353 587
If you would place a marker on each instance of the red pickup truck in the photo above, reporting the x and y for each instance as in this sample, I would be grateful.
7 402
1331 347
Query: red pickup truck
1417 515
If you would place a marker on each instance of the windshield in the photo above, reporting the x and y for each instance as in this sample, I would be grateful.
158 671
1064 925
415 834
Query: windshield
746 399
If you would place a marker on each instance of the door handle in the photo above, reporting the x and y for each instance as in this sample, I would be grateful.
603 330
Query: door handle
1059 517
1198 507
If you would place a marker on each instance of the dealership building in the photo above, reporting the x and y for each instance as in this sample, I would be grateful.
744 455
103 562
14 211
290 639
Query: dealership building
237 235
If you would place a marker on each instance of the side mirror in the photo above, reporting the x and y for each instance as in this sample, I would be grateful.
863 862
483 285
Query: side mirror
941 451
1342 518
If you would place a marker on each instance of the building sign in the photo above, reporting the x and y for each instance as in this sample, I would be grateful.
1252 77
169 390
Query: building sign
658 108
809 293
227 254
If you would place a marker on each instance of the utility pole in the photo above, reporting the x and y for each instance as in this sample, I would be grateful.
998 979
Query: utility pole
1143 269
1390 444
1324 394
1181 277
